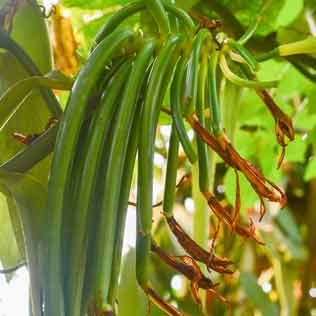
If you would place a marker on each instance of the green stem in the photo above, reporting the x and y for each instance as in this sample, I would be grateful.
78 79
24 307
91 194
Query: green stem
160 15
215 108
245 54
243 82
249 32
122 210
268 55
200 106
176 108
171 174
193 70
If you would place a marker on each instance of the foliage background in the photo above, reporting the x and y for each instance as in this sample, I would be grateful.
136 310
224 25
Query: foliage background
280 278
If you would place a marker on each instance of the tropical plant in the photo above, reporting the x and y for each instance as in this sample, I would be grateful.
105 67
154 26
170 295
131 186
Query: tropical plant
213 101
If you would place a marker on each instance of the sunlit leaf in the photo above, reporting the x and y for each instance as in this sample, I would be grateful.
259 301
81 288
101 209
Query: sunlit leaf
94 4
310 171
9 252
249 197
256 295
296 150
289 12
30 197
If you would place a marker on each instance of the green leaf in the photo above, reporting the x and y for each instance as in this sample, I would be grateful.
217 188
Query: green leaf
289 12
257 296
29 197
292 83
186 4
9 250
22 31
31 118
33 115
245 11
295 151
288 224
288 234
13 98
249 196
310 170
131 299
297 30
93 4
270 12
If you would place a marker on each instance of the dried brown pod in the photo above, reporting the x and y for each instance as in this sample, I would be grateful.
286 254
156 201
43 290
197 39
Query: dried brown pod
196 251
223 147
187 266
283 123
222 214
155 298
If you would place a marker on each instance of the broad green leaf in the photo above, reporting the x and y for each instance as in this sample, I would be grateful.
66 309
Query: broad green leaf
287 223
310 170
245 143
31 118
245 11
272 69
249 196
292 83
296 31
256 295
13 98
30 197
33 115
269 14
93 4
280 244
311 95
295 151
253 113
186 4
305 120
9 251
289 12
22 31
